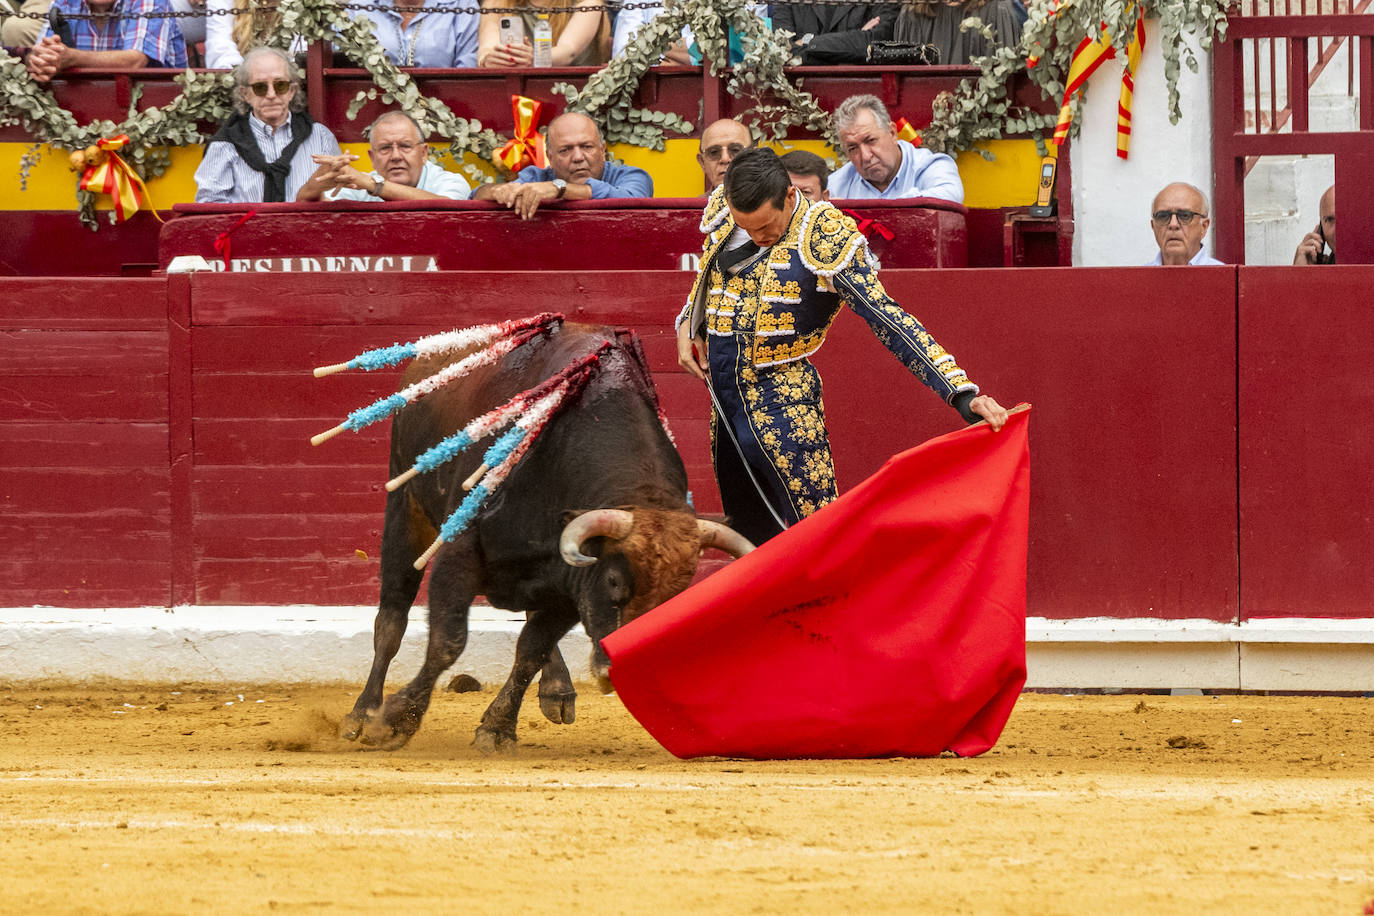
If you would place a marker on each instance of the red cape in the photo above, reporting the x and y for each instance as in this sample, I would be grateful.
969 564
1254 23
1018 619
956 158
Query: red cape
890 623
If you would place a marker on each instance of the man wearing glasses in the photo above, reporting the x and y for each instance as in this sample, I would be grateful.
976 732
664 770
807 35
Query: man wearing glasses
721 142
401 168
265 151
1179 220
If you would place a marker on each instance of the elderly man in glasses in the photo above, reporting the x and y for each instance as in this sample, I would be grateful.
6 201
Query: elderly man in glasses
721 142
265 151
401 168
1179 219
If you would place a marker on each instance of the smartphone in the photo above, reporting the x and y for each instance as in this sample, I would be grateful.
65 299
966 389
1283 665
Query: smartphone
512 30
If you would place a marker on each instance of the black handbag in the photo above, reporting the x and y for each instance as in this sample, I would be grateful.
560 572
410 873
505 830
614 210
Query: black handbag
902 52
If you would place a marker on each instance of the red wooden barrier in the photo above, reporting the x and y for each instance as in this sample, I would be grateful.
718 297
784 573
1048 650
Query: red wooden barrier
1307 448
84 492
155 433
648 234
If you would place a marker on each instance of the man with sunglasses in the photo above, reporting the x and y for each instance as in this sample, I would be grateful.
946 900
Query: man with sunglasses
265 151
1179 220
401 168
721 142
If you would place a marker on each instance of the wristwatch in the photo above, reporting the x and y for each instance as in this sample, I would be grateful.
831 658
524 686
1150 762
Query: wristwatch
562 187
377 188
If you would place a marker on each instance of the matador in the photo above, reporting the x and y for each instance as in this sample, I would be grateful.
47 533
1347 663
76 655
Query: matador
775 269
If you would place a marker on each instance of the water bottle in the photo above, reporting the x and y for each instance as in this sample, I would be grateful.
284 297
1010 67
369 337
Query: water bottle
543 41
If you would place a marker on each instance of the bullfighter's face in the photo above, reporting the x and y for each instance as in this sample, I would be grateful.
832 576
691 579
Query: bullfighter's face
872 148
767 224
398 153
576 151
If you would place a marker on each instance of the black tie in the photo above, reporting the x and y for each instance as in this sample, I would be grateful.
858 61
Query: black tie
728 259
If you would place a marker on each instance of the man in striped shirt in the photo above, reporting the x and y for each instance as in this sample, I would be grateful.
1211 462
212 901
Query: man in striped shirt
263 153
121 36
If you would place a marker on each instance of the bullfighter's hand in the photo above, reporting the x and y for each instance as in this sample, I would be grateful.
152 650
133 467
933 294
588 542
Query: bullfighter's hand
691 352
989 410
1309 249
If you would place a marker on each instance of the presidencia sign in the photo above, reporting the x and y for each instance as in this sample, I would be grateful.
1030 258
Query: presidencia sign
331 264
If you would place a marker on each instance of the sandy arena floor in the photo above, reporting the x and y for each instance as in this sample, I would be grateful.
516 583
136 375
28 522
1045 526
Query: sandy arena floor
153 801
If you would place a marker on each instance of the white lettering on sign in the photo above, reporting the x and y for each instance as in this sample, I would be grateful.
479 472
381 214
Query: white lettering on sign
331 264
690 262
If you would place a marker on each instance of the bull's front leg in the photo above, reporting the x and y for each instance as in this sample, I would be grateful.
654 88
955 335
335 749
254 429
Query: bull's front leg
557 696
400 584
452 586
537 640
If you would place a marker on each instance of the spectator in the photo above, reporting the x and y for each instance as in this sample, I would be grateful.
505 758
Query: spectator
577 171
936 22
580 39
401 168
721 142
1312 248
835 33
809 174
629 21
132 40
883 166
18 32
192 26
1179 219
263 153
227 37
416 39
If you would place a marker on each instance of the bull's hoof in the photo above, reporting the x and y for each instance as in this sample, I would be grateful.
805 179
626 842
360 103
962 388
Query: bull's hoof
490 741
378 736
352 725
560 708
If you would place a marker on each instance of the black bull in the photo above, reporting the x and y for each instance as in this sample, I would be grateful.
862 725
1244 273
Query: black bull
534 547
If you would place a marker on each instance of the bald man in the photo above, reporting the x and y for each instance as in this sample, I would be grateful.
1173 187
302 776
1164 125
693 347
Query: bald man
721 142
1179 219
1312 248
577 170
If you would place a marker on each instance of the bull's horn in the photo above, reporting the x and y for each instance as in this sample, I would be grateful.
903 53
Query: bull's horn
614 523
721 537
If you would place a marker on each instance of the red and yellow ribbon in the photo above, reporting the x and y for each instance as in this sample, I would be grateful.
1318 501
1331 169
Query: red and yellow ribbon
1123 110
527 145
1090 54
106 173
906 132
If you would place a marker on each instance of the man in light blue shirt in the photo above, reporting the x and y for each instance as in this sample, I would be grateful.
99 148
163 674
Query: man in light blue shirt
883 166
263 153
401 168
577 170
1179 219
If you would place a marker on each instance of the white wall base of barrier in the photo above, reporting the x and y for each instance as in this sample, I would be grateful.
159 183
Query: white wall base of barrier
235 646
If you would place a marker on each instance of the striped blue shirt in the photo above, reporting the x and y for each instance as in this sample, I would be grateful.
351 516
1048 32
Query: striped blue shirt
224 178
430 39
160 40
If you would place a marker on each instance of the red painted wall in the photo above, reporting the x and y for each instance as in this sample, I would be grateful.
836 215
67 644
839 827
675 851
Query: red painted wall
154 433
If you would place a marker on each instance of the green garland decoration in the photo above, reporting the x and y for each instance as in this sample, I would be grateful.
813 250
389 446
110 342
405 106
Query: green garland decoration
978 110
981 109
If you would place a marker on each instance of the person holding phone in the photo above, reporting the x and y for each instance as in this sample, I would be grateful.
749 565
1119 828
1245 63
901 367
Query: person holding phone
580 39
1312 248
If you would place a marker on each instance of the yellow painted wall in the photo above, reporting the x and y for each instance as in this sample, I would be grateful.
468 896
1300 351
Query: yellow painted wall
1008 181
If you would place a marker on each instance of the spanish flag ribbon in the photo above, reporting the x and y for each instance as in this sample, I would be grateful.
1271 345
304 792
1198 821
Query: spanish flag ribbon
906 132
868 227
1123 111
1090 54
107 173
526 147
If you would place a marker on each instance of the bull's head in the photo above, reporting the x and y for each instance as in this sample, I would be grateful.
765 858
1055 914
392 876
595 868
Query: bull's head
649 555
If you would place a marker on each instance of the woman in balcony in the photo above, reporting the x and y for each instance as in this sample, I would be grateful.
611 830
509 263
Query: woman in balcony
580 39
412 38
936 22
